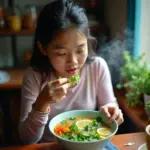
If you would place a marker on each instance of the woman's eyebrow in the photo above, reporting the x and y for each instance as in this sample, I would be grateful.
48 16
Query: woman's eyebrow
61 46
58 46
81 45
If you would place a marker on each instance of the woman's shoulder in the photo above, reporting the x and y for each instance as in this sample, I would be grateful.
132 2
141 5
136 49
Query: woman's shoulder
98 63
32 75
99 59
30 71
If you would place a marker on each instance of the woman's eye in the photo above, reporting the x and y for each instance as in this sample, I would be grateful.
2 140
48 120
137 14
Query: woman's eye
60 54
80 51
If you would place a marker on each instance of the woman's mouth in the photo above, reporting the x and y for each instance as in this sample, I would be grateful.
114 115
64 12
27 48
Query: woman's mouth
72 71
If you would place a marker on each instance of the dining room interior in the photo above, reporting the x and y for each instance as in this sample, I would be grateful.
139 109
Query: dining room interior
121 28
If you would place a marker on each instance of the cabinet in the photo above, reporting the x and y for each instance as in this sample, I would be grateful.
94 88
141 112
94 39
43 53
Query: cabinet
13 36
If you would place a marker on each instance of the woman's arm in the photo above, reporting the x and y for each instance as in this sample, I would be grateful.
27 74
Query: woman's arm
105 92
32 122
105 95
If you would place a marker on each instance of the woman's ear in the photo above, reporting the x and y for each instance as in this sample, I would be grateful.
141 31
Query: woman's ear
41 48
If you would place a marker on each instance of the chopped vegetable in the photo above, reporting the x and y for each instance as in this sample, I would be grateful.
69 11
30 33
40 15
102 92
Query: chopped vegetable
74 79
64 122
61 129
72 118
73 127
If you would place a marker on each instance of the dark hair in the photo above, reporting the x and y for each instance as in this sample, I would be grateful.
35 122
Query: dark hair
54 17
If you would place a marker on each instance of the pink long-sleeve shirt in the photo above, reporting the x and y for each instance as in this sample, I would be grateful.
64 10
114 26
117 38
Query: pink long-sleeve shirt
93 91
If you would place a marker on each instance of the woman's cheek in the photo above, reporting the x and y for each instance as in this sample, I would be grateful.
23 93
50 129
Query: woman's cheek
57 62
82 58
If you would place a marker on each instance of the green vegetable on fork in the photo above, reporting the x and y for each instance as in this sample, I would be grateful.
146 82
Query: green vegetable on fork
74 79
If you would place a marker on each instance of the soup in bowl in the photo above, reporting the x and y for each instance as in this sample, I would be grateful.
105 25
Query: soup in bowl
82 129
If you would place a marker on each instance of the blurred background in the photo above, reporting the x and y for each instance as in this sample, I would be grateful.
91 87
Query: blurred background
18 19
115 23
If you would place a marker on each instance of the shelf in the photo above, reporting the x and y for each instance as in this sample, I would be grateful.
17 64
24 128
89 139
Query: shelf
23 32
30 32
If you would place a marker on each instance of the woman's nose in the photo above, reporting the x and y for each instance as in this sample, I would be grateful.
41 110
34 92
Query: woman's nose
72 58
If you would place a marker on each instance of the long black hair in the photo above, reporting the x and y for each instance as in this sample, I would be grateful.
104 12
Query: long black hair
54 17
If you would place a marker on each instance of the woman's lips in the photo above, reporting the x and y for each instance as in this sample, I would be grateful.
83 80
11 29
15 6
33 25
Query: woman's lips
72 71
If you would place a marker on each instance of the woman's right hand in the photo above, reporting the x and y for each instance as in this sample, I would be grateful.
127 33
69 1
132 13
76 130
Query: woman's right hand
53 92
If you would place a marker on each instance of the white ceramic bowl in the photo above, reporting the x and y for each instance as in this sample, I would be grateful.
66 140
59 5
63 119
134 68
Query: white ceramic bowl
74 145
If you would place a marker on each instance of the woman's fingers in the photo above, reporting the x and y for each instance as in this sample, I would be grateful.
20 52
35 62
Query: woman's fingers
52 85
120 118
58 99
58 89
105 110
57 82
61 90
115 113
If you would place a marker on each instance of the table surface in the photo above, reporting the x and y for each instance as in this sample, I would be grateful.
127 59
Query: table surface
118 140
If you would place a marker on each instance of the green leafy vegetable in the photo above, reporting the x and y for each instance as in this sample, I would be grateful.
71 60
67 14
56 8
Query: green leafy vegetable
72 118
73 127
99 119
148 105
74 79
88 128
64 122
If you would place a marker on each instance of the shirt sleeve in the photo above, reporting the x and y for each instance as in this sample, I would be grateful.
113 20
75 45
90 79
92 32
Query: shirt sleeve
105 92
32 122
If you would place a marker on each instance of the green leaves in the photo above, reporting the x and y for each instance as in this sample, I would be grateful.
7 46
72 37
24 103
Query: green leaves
134 74
64 122
73 127
72 118
148 105
147 85
134 66
74 79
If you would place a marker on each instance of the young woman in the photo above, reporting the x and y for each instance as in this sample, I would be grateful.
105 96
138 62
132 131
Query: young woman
63 48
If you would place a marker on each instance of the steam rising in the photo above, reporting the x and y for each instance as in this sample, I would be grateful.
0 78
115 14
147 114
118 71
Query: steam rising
112 52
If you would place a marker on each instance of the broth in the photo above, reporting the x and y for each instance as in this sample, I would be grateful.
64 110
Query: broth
82 128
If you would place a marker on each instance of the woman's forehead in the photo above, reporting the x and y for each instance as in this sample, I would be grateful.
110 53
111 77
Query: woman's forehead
71 35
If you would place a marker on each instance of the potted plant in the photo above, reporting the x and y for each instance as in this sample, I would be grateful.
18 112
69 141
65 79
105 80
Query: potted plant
147 94
133 74
147 107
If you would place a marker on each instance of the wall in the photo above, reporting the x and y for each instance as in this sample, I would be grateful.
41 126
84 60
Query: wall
116 15
145 29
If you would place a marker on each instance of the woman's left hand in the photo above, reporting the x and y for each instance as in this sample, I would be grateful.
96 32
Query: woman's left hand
113 112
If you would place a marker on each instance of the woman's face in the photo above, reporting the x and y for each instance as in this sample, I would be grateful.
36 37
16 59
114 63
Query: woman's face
68 52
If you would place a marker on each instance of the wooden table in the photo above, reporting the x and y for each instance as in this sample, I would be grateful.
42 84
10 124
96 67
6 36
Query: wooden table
118 140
